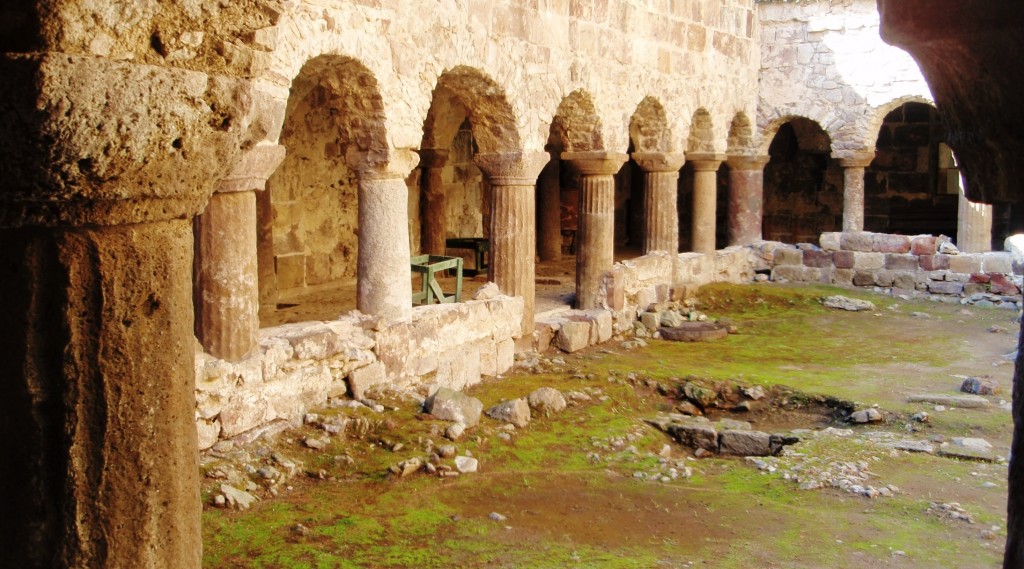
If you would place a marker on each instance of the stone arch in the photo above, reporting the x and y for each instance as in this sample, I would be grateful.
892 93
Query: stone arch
803 184
648 127
485 104
576 126
877 116
334 126
741 135
702 133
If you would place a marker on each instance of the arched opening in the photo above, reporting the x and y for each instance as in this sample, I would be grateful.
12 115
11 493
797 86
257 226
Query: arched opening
913 184
649 135
310 207
803 185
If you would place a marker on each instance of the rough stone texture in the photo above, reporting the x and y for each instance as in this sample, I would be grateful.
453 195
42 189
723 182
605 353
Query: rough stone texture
964 263
361 379
888 243
857 241
788 256
573 336
817 259
516 411
746 199
661 215
898 262
830 240
923 245
935 262
450 405
546 401
744 443
868 261
995 263
695 435
943 287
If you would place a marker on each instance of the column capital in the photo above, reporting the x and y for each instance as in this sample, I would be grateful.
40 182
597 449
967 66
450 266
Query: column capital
747 162
398 164
705 161
858 160
433 157
596 163
252 169
512 168
659 161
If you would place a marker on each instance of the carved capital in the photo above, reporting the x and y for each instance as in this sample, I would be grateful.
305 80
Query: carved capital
253 169
705 161
744 162
858 160
659 161
512 168
596 163
397 164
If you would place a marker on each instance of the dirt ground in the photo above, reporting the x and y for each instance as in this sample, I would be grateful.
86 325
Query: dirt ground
576 489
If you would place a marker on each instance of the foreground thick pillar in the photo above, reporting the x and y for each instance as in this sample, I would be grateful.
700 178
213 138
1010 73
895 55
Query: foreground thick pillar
705 200
226 291
433 208
974 226
661 186
384 285
595 238
549 216
746 198
99 398
513 234
853 190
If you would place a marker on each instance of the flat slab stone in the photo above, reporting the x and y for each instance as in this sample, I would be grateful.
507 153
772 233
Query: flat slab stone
967 453
914 446
964 401
695 332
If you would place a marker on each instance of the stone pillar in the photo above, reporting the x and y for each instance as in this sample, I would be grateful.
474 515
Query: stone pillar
746 198
661 186
432 205
853 190
705 200
549 216
384 285
226 292
595 237
974 226
513 233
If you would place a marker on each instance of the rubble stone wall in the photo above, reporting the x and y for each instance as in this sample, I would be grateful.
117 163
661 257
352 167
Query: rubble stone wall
299 366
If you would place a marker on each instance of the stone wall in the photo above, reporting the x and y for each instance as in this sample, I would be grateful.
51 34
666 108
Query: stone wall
825 60
900 263
299 366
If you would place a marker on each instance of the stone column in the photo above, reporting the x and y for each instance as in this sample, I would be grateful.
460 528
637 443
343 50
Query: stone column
513 233
661 186
705 200
853 190
225 277
384 285
432 206
746 198
549 216
974 226
595 237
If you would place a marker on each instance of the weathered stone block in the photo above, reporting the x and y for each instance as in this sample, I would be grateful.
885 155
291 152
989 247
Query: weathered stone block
945 287
359 380
905 280
695 435
965 263
291 270
997 263
516 412
887 243
245 410
868 261
885 278
788 272
934 262
545 331
789 256
864 278
975 288
923 245
601 330
458 368
898 262
573 336
1001 284
615 297
843 277
857 241
830 241
451 405
209 433
980 278
488 357
843 259
744 443
818 259
505 355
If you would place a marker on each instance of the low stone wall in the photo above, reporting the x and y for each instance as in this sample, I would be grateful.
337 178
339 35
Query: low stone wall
904 264
299 366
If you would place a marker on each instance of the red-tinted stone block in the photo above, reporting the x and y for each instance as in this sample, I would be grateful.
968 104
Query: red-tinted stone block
818 259
886 243
923 245
934 262
843 259
980 278
1000 284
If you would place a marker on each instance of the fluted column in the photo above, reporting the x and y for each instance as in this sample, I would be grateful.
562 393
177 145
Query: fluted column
746 198
661 186
513 234
434 234
225 282
549 216
853 190
705 200
383 286
974 226
595 236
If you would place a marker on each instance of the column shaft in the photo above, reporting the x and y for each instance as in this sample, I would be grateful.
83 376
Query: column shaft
705 201
225 285
384 286
434 207
661 188
513 243
99 403
974 226
549 216
595 239
853 198
746 199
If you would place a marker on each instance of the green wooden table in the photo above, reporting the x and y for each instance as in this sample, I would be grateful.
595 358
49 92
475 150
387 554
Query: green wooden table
430 290
478 245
